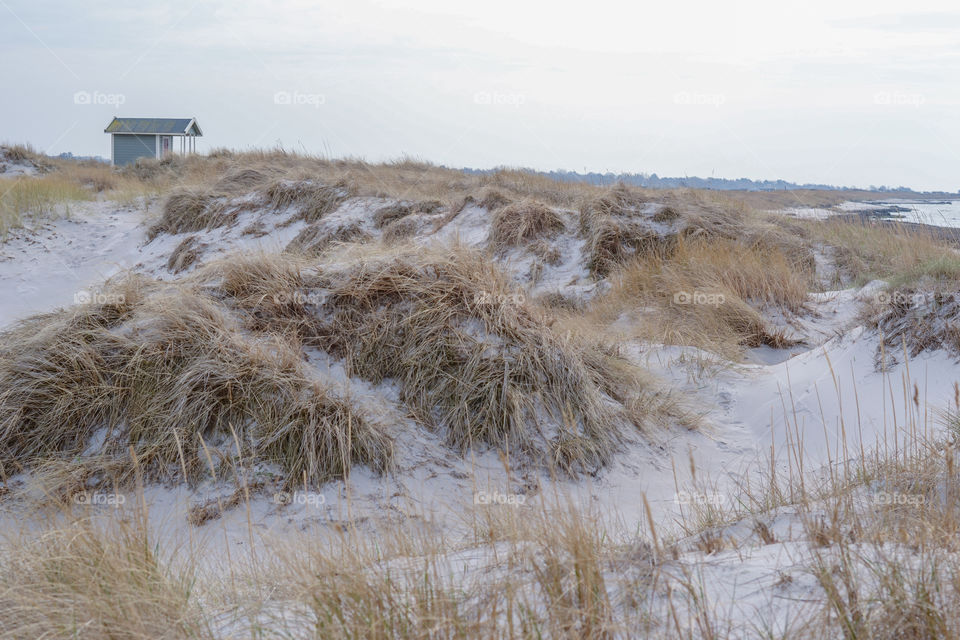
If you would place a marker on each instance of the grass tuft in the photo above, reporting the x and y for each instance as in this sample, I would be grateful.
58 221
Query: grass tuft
167 370
311 200
390 213
517 224
84 580
27 199
189 211
470 354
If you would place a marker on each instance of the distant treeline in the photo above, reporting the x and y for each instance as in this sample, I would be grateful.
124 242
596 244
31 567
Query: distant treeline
653 181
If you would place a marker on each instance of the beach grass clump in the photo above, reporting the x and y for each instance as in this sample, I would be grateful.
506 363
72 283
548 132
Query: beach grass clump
712 293
469 353
390 213
317 238
520 223
189 211
94 580
311 200
45 197
167 371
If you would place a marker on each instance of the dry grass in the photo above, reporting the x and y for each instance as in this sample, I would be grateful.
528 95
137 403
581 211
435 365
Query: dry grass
613 233
56 184
406 180
547 580
20 153
166 370
84 580
199 209
208 371
399 230
317 239
622 224
901 254
520 223
470 354
26 156
880 523
397 211
268 290
707 293
611 242
246 179
216 360
105 181
189 211
914 319
312 200
693 269
185 255
27 199
547 569
887 568
546 572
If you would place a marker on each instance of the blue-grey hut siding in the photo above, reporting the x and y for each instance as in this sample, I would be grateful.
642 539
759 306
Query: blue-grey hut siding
127 148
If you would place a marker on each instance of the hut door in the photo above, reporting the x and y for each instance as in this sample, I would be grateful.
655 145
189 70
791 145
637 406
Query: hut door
166 145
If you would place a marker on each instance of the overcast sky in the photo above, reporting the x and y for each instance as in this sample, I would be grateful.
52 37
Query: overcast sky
843 92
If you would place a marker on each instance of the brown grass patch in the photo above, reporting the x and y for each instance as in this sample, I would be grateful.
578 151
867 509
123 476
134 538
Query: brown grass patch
185 255
399 210
400 230
707 293
901 254
470 354
188 211
84 580
165 369
517 224
316 239
311 200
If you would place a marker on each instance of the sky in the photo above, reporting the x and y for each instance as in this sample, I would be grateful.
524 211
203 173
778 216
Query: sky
852 93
